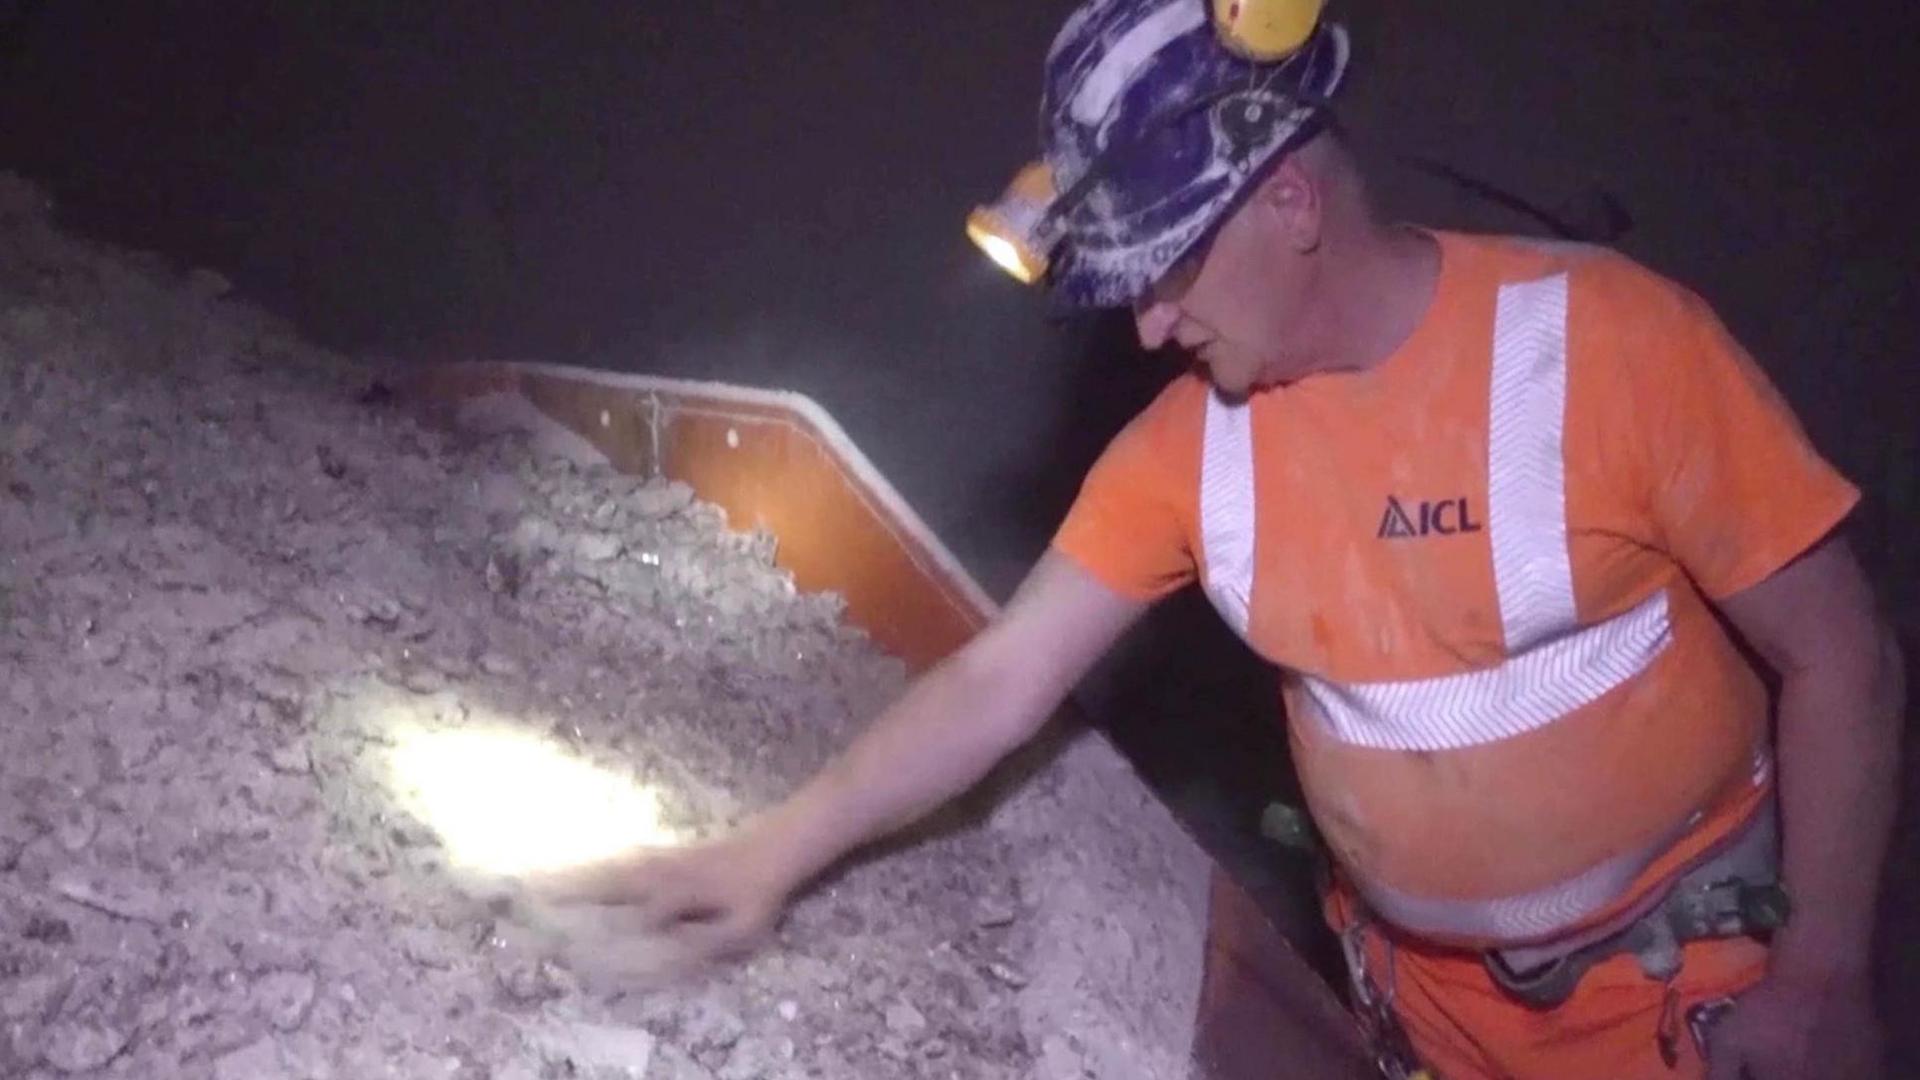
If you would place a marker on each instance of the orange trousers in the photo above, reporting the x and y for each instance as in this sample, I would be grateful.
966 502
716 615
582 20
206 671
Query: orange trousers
1464 1027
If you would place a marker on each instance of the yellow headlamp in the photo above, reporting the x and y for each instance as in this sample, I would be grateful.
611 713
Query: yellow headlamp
1265 31
1013 230
1019 230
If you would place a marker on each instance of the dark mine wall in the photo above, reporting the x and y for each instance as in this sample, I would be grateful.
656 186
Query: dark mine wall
772 194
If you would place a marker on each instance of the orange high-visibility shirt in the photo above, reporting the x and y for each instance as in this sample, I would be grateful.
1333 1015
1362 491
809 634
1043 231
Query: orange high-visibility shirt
1485 568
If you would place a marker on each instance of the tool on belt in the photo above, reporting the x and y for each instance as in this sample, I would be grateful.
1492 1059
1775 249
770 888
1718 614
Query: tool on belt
1732 892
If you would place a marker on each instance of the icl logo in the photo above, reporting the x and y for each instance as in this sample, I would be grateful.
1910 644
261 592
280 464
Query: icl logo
1444 517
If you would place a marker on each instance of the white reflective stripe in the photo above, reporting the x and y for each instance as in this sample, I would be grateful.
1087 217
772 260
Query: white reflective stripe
1125 58
1526 465
1556 908
1516 918
1226 508
1525 692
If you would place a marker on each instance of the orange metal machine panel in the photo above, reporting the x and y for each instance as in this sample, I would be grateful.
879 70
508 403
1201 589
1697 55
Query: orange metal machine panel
776 461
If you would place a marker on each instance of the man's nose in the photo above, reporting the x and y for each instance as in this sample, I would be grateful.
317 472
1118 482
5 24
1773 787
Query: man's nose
1155 321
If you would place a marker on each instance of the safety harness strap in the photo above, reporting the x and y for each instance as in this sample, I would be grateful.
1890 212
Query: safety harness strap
1733 891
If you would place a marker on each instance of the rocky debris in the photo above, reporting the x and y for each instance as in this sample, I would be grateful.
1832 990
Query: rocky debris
599 1049
265 646
1007 974
903 1019
258 1060
284 998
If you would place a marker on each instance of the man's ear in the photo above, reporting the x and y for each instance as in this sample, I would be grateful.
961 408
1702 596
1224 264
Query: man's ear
1293 202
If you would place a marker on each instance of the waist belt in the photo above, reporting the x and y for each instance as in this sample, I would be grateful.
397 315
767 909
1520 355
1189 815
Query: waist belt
1732 891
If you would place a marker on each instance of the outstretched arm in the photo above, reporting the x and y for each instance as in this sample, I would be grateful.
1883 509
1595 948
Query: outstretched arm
938 740
957 721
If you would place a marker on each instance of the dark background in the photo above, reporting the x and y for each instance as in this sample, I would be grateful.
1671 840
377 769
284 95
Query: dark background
772 193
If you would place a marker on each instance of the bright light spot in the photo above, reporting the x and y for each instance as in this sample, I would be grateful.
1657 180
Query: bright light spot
1001 250
509 802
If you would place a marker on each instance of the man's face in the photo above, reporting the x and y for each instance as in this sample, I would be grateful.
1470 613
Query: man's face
1236 304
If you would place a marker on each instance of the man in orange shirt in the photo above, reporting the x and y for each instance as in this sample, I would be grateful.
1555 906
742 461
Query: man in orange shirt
1484 503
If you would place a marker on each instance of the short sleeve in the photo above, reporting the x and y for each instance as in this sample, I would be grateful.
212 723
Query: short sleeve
1130 525
1735 487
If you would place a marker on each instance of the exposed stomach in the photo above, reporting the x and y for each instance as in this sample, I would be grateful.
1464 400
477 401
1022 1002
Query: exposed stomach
1546 831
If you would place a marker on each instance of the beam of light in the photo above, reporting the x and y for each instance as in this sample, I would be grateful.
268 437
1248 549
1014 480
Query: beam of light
510 802
1025 268
1001 251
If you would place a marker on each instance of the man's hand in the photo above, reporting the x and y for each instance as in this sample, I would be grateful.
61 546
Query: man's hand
1794 1027
698 903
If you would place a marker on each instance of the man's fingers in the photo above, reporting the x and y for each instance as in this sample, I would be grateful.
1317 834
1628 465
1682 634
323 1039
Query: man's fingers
673 908
715 939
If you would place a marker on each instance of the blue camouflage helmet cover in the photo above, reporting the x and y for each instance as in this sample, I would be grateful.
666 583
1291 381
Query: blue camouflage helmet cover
1176 128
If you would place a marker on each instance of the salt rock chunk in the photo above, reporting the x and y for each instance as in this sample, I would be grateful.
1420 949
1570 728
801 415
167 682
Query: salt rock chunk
736 598
94 1024
756 1059
258 1060
712 1026
661 500
597 547
48 930
904 1019
499 664
28 996
82 1044
426 947
534 535
527 982
671 1063
423 680
622 1051
1059 1060
284 998
993 915
118 899
503 574
77 827
1008 974
500 494
293 759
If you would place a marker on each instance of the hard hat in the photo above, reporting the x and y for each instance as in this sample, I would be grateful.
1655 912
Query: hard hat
1156 117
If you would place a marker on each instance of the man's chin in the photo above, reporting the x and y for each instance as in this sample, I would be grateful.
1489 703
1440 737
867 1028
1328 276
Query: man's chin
1238 390
1232 395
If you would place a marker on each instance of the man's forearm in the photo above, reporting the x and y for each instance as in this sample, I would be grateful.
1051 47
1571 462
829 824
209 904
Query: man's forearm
935 742
1839 743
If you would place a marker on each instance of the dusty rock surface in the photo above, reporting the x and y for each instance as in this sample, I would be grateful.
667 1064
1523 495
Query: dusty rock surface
281 670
